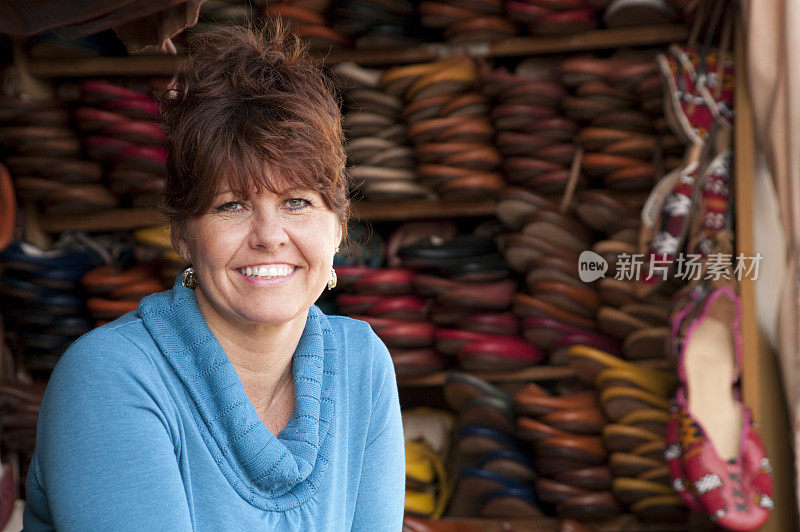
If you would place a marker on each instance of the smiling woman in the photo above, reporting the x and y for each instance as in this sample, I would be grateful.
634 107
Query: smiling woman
231 401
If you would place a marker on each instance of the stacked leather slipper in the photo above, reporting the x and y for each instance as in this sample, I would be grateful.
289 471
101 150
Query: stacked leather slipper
495 474
43 302
377 24
571 460
448 124
467 21
115 291
382 162
608 96
470 290
428 435
635 400
554 17
384 298
43 154
120 130
557 308
19 412
154 246
627 13
533 136
306 19
8 208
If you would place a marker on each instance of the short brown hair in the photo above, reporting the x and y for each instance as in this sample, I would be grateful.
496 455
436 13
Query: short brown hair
245 102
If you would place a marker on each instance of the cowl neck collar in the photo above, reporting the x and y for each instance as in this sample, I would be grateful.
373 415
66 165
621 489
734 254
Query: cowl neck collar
274 473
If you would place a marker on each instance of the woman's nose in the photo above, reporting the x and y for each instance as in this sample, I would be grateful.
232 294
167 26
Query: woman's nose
267 230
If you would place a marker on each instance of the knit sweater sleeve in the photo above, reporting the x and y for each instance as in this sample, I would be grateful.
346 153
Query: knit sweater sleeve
381 492
105 456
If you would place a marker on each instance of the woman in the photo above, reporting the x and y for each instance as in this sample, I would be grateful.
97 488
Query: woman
231 402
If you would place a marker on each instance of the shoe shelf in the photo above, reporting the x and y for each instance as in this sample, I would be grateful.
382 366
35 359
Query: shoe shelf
166 65
625 522
126 219
535 373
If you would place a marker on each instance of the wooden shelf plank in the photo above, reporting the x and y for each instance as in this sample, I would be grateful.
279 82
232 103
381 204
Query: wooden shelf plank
626 522
166 65
536 373
126 219
416 209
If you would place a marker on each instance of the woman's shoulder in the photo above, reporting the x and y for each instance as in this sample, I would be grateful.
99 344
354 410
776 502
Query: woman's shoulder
120 349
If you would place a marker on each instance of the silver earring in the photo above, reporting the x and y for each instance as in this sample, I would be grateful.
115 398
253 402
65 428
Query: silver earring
189 278
337 249
332 281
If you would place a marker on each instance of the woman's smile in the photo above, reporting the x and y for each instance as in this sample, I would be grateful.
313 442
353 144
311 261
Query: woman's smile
267 274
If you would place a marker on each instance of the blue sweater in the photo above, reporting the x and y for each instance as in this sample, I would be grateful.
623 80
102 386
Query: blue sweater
145 425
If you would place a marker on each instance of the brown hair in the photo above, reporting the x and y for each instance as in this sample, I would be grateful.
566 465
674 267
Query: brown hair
247 102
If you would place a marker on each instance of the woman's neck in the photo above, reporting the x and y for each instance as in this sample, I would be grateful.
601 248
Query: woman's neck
261 354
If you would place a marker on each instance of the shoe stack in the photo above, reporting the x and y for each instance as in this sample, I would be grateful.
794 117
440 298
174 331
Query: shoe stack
448 124
557 309
382 162
627 13
570 458
494 472
115 291
532 134
470 292
19 412
377 24
306 18
43 154
385 298
43 302
120 130
467 20
635 401
154 246
619 139
428 435
555 17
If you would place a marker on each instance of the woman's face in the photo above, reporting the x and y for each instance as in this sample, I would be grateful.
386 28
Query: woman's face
264 260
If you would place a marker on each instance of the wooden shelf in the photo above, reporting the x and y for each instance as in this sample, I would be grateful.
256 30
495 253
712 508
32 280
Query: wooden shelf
536 373
166 65
127 219
625 522
417 209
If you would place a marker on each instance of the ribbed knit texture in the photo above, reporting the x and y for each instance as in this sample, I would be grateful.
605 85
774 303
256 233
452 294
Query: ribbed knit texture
338 462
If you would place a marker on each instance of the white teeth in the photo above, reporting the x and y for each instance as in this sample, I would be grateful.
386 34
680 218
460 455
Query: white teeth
267 271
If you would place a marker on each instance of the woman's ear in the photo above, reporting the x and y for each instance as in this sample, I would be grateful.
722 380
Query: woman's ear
176 234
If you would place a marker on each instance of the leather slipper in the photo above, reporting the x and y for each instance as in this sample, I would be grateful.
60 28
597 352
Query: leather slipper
661 509
460 388
498 354
401 334
500 324
527 306
661 383
579 420
554 492
530 402
544 332
529 429
514 143
631 465
509 464
414 362
598 506
559 23
618 401
559 349
629 490
582 301
508 502
595 478
624 438
650 419
489 412
617 323
647 343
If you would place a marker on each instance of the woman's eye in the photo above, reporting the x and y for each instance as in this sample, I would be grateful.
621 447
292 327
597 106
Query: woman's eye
295 204
231 206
